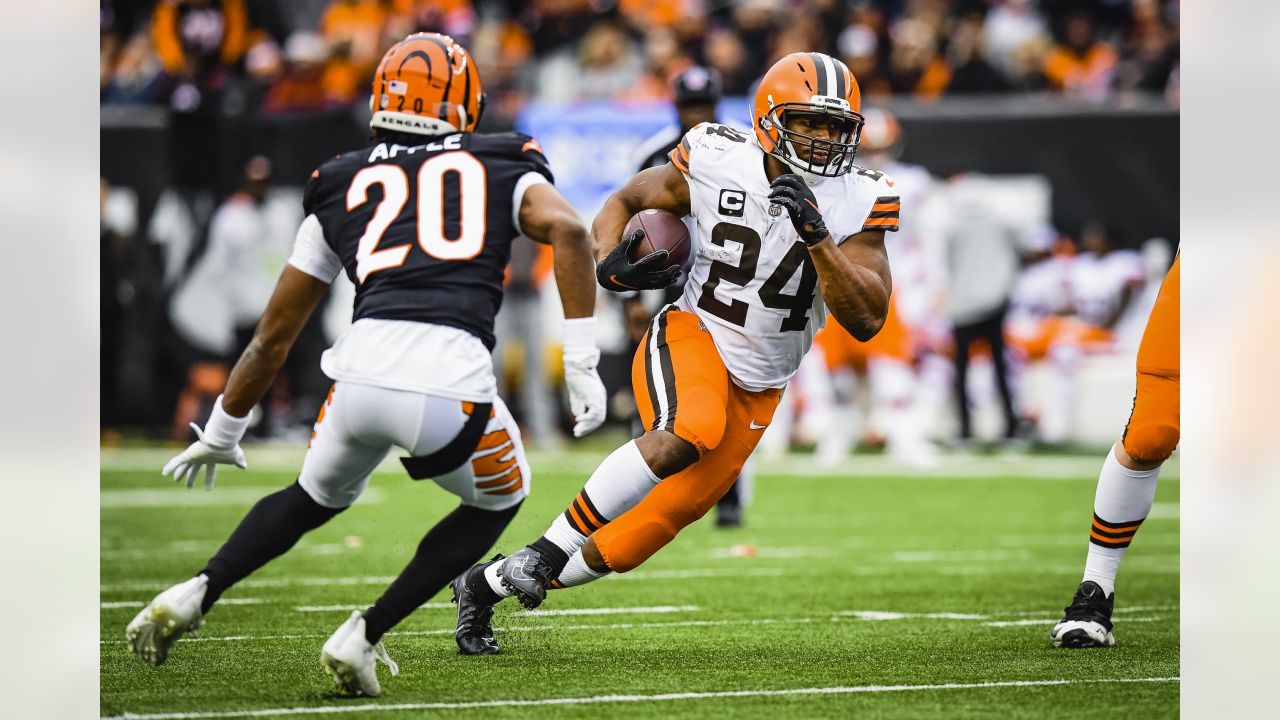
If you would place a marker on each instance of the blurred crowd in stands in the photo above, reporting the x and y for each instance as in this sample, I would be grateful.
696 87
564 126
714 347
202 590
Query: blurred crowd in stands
235 56
997 315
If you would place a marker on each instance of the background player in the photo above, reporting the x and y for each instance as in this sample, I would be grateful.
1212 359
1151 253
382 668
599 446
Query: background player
422 222
782 226
1127 483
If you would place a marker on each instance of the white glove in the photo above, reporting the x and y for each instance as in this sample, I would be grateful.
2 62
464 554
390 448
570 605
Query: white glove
218 444
587 397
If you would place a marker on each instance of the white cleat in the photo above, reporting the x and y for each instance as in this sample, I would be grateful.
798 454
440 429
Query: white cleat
352 662
1081 634
170 615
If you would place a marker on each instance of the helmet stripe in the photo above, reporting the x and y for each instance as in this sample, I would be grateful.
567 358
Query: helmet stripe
842 79
830 68
822 76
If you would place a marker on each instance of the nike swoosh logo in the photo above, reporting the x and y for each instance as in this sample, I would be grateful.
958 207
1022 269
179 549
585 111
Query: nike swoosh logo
815 207
518 573
754 426
614 278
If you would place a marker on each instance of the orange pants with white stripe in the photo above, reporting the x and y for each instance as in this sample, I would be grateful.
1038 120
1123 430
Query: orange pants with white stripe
1152 432
682 386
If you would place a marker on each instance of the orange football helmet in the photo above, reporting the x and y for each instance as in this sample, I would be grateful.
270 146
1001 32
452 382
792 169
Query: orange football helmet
427 84
881 133
809 82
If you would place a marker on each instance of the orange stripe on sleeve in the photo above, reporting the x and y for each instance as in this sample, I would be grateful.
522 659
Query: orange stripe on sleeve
681 164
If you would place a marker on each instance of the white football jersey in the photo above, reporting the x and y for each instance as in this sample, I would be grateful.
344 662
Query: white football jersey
752 282
1098 283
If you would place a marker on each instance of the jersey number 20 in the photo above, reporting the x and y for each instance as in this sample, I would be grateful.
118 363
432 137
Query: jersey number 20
431 235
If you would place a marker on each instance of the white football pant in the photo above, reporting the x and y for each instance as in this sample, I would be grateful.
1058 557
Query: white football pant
360 424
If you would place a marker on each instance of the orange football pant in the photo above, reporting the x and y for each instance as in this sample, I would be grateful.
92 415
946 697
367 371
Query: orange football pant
682 386
1153 429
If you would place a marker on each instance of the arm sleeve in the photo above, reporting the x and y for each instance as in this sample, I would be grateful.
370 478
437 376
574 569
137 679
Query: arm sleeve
312 255
523 184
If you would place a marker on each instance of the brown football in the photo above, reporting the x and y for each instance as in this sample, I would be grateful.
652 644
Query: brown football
662 231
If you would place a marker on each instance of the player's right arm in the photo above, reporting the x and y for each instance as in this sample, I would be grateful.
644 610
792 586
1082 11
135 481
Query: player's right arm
299 291
546 217
663 188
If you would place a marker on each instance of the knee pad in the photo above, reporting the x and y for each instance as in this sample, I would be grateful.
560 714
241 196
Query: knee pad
1150 442
700 419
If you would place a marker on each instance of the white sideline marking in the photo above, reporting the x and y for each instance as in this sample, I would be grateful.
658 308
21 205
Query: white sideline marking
871 615
885 615
142 603
118 498
144 585
654 610
1051 621
519 628
697 573
605 699
358 606
287 456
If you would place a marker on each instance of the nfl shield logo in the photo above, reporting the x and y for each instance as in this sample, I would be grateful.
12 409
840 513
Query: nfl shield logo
775 210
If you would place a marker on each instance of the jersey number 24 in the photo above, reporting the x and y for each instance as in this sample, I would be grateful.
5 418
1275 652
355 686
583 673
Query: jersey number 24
771 295
430 231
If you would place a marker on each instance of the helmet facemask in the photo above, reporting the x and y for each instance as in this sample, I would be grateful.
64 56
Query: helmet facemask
837 154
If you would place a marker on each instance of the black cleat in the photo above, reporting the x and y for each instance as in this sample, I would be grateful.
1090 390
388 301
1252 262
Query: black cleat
1087 623
527 576
475 618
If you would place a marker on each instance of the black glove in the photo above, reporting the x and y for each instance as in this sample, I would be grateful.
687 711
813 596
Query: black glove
616 272
793 195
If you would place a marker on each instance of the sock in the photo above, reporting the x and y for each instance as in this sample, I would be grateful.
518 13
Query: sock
273 525
575 573
617 485
446 551
493 579
1122 502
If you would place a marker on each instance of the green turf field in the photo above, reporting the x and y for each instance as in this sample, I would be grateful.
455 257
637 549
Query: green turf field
872 595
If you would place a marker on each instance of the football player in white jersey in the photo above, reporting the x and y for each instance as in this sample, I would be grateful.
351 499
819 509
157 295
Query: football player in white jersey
786 227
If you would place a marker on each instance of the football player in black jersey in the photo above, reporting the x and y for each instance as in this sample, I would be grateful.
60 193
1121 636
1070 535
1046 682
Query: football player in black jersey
422 221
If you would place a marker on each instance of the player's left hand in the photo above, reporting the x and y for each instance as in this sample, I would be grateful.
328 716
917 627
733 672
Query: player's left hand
201 455
587 396
791 193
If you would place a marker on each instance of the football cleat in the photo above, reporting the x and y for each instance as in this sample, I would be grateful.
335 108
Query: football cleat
1087 622
352 662
173 613
475 619
527 576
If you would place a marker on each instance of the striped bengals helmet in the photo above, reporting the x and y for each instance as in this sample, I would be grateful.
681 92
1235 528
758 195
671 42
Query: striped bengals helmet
427 84
809 82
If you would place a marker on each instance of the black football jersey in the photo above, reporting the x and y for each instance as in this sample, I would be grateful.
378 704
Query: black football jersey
425 232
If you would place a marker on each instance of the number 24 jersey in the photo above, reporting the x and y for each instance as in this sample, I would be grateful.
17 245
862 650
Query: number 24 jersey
753 283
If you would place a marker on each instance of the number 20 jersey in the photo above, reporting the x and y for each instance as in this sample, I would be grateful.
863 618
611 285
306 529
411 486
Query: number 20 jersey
753 283
425 232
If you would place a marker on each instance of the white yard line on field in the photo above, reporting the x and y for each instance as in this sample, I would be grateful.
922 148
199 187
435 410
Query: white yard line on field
846 615
1050 621
653 610
288 457
613 699
679 574
521 628
141 603
358 606
177 496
